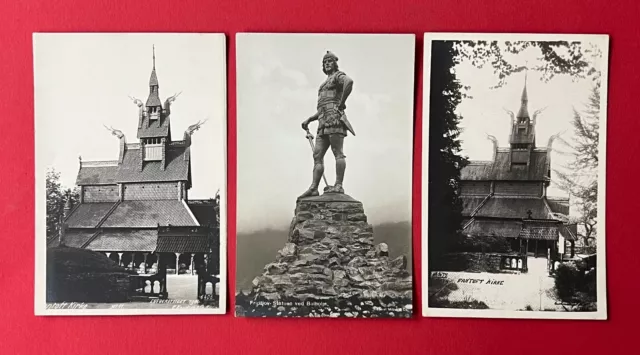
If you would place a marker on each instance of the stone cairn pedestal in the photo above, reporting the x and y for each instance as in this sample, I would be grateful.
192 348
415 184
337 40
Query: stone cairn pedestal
330 268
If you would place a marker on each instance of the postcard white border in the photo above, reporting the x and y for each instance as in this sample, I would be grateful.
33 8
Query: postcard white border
601 313
40 304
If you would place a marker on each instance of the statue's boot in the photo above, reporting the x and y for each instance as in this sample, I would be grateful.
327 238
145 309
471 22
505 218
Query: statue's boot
337 188
312 191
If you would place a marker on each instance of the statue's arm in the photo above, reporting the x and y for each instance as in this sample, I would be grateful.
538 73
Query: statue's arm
314 117
347 86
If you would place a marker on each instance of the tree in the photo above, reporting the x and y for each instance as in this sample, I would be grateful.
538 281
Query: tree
445 158
57 197
576 59
579 178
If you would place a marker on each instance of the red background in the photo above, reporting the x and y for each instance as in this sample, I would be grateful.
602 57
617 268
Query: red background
21 332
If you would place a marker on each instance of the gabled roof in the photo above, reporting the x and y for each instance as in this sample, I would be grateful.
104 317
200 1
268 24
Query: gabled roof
515 207
124 240
505 229
88 215
501 169
150 214
77 238
570 232
513 229
97 175
540 231
176 169
559 205
182 244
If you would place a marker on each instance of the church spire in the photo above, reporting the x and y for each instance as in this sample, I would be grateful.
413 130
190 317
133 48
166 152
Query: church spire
523 113
153 101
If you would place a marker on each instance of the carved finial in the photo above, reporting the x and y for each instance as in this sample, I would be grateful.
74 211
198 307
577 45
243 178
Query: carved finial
115 132
553 138
536 113
494 140
511 114
136 101
195 127
153 46
173 98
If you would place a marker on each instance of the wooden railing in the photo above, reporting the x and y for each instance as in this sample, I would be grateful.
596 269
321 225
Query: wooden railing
514 262
148 286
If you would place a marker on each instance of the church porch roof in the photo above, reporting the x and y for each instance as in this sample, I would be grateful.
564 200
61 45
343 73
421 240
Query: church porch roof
115 240
150 214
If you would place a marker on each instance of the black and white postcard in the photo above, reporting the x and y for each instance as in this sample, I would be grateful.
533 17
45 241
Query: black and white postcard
130 142
325 137
514 176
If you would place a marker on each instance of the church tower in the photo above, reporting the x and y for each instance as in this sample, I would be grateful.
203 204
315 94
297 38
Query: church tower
523 134
153 124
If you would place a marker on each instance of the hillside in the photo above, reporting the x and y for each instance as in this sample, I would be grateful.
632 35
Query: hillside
256 249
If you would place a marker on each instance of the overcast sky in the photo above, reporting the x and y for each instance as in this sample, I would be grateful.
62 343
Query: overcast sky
483 113
82 82
277 81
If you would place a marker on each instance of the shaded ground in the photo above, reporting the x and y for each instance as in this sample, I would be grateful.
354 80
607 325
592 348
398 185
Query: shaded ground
183 293
512 292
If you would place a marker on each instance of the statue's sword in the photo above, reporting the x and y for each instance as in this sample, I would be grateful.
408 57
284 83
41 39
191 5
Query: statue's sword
310 138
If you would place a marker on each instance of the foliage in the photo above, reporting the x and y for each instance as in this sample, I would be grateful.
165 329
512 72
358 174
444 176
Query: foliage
445 158
57 197
579 178
555 58
439 290
575 286
81 275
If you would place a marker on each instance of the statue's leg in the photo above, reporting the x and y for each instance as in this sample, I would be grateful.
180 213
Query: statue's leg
320 149
337 142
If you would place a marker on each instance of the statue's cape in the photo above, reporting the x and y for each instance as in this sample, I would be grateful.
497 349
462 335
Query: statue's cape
343 118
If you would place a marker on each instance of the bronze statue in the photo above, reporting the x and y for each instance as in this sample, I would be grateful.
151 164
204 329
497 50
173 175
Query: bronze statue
332 124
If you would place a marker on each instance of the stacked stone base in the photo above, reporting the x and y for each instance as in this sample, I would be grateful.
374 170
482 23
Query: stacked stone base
330 267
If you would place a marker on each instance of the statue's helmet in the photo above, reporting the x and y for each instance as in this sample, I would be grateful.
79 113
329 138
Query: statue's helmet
330 55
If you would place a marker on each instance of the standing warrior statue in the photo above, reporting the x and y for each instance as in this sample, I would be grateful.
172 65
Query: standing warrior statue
332 124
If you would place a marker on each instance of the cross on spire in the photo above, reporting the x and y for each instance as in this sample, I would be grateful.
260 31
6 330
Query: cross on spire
154 55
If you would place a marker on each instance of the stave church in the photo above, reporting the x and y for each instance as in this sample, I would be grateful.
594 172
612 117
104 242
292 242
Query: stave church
136 209
506 197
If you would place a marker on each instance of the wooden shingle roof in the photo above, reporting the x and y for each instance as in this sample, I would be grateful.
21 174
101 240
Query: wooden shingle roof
515 207
501 169
182 244
88 215
150 214
176 169
124 240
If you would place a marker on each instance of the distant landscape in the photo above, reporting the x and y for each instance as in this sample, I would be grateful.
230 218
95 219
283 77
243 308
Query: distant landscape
256 249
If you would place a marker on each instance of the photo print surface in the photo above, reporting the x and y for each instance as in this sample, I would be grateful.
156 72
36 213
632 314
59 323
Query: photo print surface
130 174
325 137
514 176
